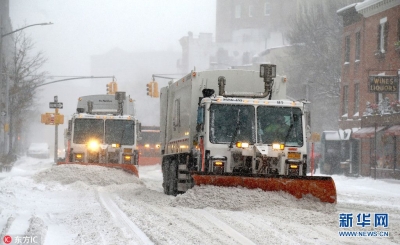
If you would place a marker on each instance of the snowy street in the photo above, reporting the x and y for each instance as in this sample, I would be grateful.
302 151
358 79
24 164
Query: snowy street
73 204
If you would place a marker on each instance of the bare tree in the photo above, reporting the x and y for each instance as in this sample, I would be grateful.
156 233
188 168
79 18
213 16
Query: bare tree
24 75
316 34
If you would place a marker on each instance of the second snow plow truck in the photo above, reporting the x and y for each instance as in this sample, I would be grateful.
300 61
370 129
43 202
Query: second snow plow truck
103 132
248 138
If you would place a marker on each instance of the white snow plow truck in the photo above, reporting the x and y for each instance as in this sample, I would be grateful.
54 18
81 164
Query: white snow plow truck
103 132
236 128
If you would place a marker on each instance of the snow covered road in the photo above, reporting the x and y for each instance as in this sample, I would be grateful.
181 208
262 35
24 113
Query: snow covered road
72 204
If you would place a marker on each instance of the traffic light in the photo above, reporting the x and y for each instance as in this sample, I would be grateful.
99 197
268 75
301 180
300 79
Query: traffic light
150 89
112 87
155 90
109 88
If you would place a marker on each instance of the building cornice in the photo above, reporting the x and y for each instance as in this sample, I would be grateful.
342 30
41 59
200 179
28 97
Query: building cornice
372 7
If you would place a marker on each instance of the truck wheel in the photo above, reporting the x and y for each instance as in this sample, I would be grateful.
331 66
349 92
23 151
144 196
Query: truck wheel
165 172
304 169
173 178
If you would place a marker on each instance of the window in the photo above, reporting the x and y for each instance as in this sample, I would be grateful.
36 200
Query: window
85 129
398 30
345 100
267 8
251 10
358 45
379 96
239 127
347 50
238 10
383 29
279 124
119 131
356 98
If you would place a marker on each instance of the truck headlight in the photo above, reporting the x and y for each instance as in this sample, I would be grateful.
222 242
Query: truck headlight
78 157
93 145
277 146
242 144
218 165
127 158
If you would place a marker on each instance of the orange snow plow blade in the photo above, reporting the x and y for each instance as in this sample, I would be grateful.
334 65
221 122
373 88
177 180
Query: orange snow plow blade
320 187
127 167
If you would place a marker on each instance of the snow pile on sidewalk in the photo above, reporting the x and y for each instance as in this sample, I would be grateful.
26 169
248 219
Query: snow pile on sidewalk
90 175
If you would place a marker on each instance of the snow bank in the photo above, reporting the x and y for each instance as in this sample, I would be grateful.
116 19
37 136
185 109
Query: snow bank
90 175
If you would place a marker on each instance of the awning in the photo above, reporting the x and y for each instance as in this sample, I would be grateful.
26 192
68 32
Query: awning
393 130
364 133
331 135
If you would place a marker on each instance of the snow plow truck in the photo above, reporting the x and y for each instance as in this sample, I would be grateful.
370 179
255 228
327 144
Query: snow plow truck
236 128
103 132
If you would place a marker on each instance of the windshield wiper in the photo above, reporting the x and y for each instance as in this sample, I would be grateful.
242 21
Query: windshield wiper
123 133
290 127
236 130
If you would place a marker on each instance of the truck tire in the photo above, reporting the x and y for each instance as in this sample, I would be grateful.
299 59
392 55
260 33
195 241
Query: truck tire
304 169
173 178
165 172
170 176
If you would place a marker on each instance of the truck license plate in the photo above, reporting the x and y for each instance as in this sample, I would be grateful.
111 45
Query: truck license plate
294 155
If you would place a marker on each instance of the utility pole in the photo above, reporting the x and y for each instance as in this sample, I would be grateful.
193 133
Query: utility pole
56 132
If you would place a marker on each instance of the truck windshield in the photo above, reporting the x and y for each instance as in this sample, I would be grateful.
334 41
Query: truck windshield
274 125
120 131
88 129
232 123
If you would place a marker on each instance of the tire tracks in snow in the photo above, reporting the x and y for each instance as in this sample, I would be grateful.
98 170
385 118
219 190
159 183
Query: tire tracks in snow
178 225
129 229
237 236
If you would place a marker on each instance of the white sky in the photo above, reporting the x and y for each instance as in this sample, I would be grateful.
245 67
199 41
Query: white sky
93 27
90 27
71 204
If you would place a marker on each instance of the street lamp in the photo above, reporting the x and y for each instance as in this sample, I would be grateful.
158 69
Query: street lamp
7 111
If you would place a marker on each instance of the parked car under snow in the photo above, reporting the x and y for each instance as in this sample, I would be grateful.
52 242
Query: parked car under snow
39 150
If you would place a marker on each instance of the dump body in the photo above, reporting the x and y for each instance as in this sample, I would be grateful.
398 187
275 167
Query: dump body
241 139
103 132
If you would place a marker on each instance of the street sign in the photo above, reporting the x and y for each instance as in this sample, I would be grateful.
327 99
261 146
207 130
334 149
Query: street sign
52 118
315 137
58 105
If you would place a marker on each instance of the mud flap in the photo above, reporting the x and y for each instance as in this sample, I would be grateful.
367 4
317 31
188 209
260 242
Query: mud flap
320 187
130 168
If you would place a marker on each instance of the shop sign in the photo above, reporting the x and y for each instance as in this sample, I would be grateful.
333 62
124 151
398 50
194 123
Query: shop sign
383 84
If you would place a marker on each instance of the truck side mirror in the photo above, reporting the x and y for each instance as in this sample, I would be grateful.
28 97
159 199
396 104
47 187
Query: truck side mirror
200 114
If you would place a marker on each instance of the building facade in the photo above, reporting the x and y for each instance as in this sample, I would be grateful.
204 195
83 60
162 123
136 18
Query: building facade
244 29
370 106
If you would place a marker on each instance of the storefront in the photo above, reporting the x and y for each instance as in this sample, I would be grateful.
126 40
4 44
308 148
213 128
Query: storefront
340 152
380 146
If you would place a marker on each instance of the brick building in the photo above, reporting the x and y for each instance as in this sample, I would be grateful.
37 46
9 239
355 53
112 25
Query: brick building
370 107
